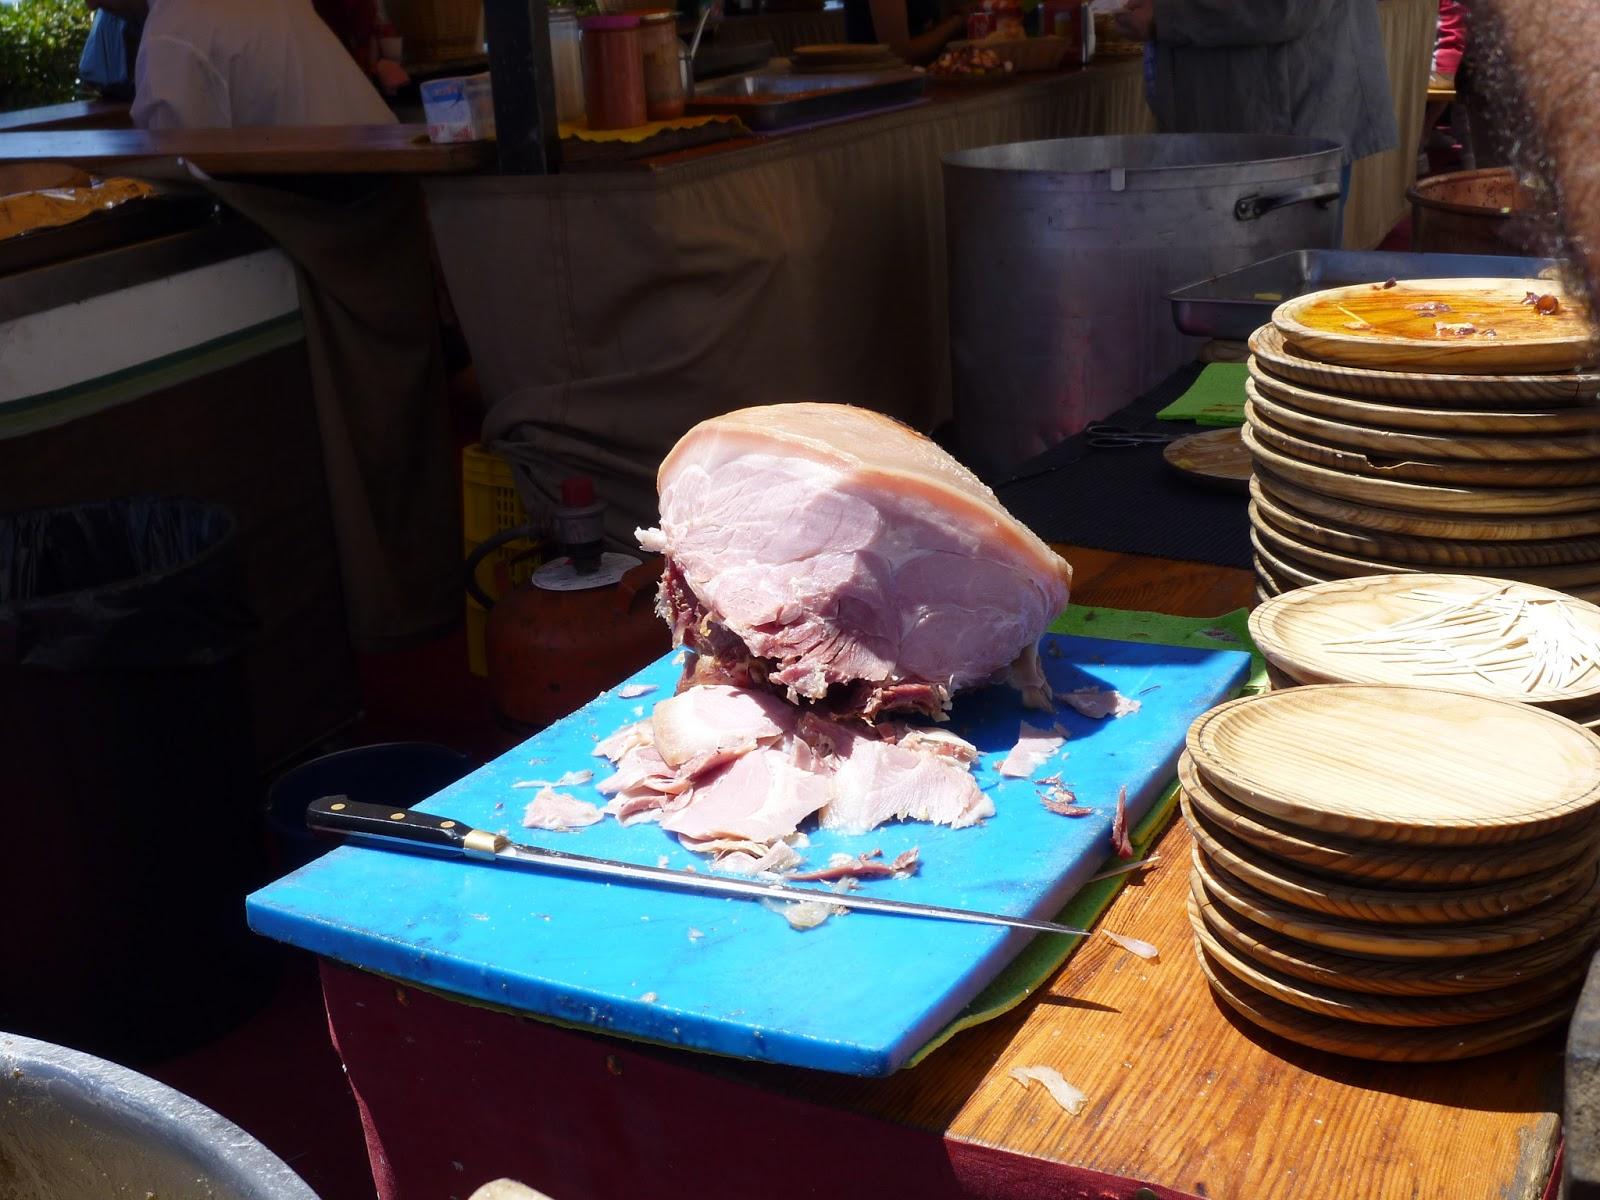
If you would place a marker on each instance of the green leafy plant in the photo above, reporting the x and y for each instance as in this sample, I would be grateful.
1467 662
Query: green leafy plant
40 41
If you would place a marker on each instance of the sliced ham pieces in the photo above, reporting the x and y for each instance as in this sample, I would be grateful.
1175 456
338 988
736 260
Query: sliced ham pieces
834 554
716 721
737 771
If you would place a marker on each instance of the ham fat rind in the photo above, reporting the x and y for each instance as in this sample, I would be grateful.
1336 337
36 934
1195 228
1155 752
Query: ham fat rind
830 552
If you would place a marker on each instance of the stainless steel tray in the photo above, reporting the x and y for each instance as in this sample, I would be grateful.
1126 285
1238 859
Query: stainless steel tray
1235 305
770 100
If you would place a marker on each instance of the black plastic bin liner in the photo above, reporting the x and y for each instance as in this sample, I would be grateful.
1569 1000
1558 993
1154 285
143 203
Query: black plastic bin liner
127 777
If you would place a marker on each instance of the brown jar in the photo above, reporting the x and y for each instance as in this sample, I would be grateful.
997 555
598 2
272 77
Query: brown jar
663 69
613 72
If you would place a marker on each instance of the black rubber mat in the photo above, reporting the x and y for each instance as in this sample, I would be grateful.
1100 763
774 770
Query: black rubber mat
1127 498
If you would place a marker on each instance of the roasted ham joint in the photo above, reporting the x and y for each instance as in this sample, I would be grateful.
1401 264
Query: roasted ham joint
834 578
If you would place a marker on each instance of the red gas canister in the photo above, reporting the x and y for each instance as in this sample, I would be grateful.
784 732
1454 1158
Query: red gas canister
581 624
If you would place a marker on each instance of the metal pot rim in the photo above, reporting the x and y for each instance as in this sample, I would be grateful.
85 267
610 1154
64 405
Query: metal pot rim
135 1104
1270 150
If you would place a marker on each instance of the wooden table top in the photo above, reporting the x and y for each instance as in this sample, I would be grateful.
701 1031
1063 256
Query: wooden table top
269 150
1181 1094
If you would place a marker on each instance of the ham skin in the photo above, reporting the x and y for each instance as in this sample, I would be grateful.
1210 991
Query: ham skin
828 550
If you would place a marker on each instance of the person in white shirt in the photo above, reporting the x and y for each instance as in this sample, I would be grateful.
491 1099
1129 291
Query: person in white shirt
231 63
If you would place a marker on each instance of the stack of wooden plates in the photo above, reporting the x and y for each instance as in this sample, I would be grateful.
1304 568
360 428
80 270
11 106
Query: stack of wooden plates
1465 633
843 56
1393 873
1368 461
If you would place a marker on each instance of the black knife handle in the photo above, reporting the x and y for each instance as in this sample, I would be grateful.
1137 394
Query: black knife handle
340 814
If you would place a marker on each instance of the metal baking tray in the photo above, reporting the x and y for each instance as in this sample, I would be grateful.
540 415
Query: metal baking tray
768 100
132 221
713 58
1235 305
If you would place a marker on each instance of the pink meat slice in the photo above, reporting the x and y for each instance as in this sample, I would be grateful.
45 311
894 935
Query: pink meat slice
1033 749
874 782
842 548
761 796
1098 703
551 809
703 723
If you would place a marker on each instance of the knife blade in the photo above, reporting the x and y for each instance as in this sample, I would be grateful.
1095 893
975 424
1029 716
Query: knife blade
405 829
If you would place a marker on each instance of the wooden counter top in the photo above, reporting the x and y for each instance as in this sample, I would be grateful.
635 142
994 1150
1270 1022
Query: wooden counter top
274 150
1181 1093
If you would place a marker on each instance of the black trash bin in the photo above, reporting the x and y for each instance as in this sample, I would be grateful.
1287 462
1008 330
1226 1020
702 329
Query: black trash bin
129 789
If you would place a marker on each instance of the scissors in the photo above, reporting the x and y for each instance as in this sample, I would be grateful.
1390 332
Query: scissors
1112 437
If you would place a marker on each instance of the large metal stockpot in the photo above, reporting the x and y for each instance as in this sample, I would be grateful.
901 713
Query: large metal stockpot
1062 253
76 1127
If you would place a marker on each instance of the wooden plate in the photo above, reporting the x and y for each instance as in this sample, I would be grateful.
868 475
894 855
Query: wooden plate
1420 497
1286 576
833 68
1388 977
1464 527
1336 565
1357 861
1377 1042
1416 469
1296 633
1403 764
1416 387
1369 1009
840 51
1371 326
1393 443
1415 907
1579 419
1401 941
1217 458
1447 553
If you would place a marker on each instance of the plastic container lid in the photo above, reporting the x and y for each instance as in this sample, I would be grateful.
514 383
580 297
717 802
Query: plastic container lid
611 21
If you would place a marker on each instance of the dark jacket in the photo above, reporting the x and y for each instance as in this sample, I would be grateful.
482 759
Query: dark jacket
1310 67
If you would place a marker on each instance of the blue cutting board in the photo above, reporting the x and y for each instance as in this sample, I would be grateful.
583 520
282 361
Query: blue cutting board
857 995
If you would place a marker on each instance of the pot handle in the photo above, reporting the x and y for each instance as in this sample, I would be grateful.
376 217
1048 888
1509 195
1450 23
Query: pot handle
1250 208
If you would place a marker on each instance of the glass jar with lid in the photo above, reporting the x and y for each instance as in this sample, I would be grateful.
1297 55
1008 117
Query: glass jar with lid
663 67
566 62
613 72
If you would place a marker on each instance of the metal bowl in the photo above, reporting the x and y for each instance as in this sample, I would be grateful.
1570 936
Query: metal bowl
72 1125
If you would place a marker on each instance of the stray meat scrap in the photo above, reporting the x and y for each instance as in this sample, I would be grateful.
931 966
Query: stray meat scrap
570 779
1133 945
1034 748
1098 703
1062 801
634 690
835 555
558 811
861 866
1062 1092
1119 826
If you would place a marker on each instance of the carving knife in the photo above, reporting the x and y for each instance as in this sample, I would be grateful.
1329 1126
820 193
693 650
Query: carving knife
397 828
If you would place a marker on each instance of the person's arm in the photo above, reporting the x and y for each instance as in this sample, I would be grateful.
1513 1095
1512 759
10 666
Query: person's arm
175 88
1239 22
1544 60
890 26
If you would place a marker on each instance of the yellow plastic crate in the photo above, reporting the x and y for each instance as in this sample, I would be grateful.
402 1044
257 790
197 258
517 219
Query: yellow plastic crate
489 504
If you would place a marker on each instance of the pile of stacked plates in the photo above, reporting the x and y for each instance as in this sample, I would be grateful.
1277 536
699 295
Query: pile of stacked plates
1465 633
1393 873
1433 450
